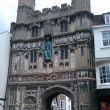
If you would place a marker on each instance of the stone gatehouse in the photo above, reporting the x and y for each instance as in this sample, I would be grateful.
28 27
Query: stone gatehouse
51 53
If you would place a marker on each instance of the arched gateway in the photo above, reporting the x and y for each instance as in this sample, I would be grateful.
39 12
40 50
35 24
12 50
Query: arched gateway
52 53
48 95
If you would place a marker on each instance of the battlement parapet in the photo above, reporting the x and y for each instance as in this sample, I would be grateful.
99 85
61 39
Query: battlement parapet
54 12
55 8
65 10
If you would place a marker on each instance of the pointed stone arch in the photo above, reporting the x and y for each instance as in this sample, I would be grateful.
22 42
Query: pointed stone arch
48 95
30 100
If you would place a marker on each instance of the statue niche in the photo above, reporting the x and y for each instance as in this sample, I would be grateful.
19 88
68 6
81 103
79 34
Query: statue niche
48 48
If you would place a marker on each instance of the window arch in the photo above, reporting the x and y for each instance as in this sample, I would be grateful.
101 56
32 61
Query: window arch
64 52
33 56
64 26
35 31
29 103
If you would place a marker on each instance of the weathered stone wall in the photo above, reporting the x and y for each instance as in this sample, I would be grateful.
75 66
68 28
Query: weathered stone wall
34 85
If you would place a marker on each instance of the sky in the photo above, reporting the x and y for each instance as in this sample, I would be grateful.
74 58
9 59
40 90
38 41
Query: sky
8 9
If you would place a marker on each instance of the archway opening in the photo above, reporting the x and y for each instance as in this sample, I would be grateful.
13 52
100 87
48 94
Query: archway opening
61 102
56 98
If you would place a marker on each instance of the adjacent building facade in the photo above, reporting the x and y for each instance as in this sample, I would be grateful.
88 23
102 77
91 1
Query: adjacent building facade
52 53
102 60
61 102
4 64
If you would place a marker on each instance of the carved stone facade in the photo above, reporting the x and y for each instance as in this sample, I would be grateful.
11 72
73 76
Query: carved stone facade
33 82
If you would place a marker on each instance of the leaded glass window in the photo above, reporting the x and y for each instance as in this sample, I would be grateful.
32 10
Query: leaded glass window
33 56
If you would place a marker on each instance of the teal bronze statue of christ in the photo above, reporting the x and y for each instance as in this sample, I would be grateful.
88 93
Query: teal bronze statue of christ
48 49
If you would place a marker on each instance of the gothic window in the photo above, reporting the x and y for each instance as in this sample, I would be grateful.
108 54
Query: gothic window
64 26
34 31
64 52
33 56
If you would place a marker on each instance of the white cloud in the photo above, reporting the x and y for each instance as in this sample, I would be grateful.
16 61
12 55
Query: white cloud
100 6
8 9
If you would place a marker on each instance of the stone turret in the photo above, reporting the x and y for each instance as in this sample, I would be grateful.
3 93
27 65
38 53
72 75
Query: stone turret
83 15
81 5
28 3
25 10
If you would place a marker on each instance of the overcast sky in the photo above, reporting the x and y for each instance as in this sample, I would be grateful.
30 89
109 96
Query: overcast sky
8 9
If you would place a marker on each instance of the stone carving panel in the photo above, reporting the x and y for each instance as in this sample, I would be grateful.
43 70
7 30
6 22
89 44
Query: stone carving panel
71 38
52 76
27 45
56 41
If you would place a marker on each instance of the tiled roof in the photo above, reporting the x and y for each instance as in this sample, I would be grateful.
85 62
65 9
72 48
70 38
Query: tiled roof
98 20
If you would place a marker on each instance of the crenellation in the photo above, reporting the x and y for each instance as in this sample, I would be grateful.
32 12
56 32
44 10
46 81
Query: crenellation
37 13
50 13
28 3
46 10
63 6
55 9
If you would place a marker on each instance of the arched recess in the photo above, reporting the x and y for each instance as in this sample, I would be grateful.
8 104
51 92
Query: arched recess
48 95
30 100
35 30
64 24
29 103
